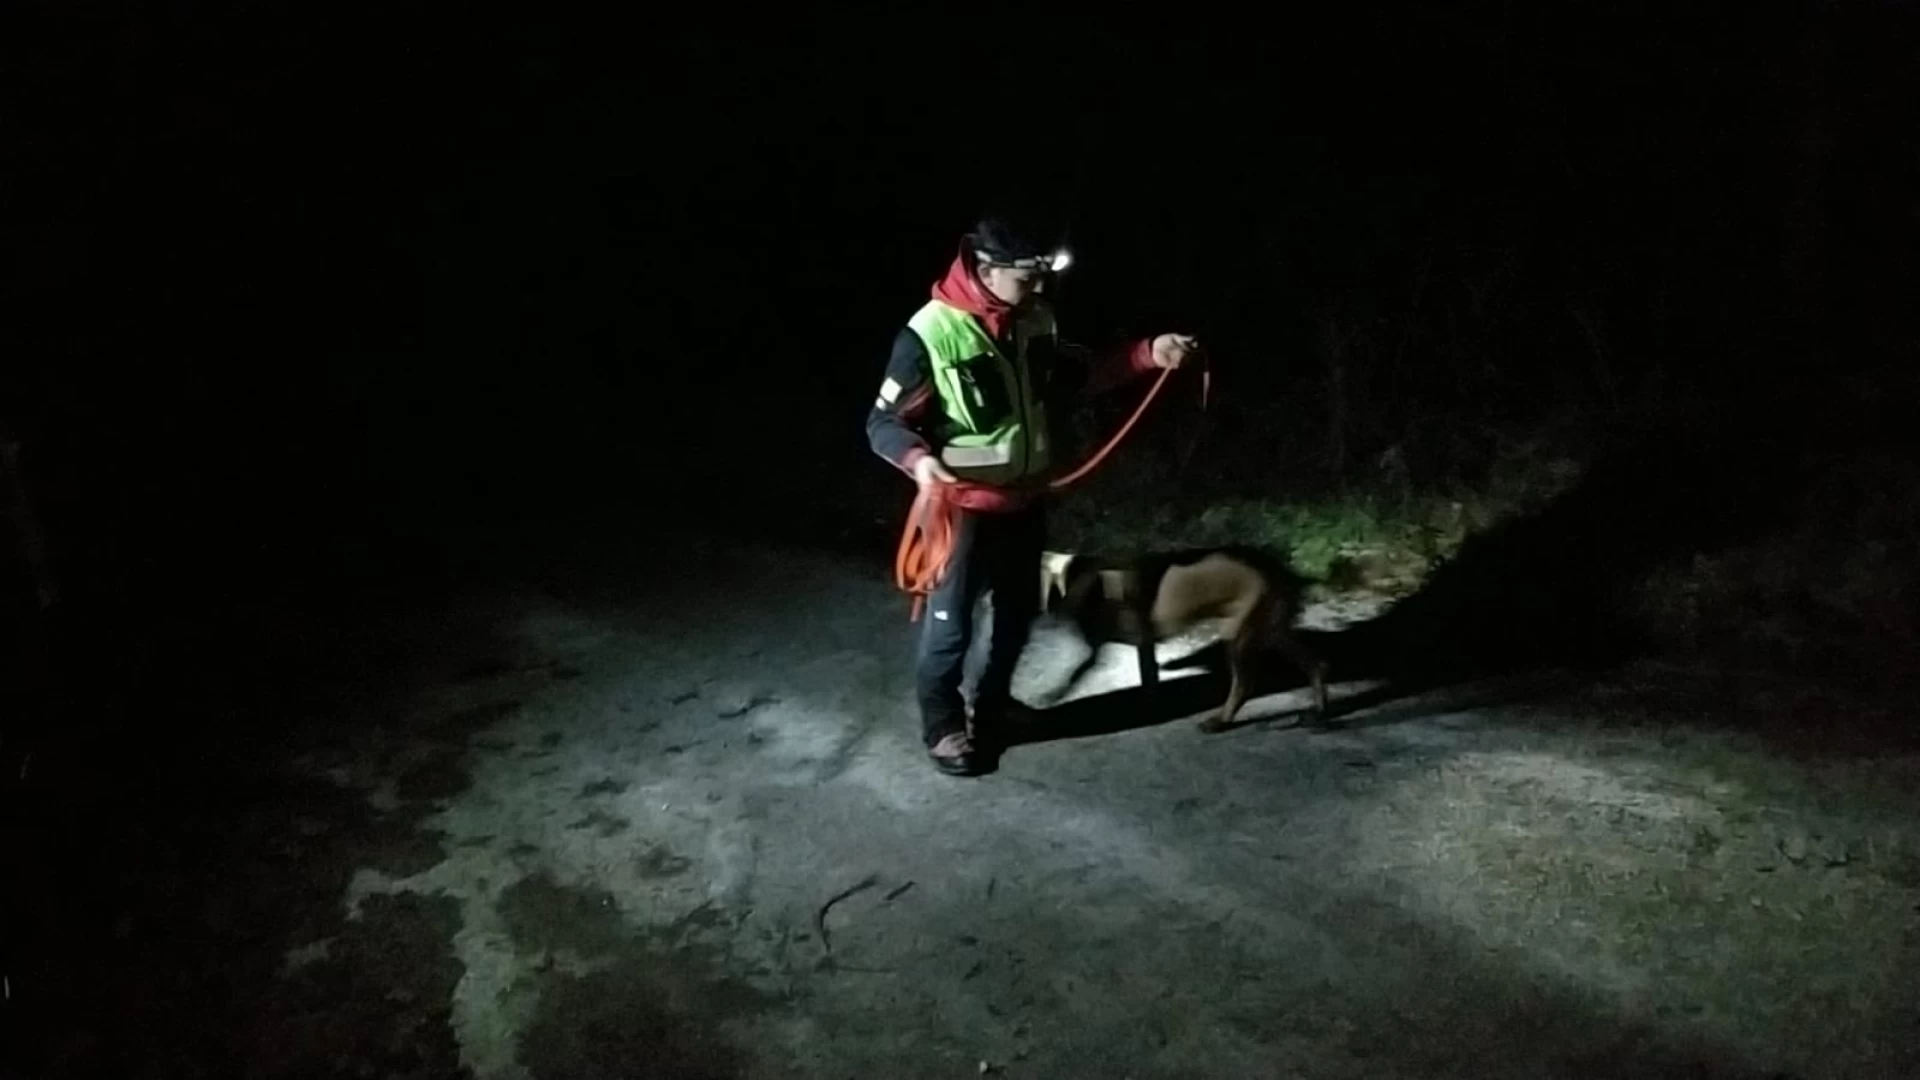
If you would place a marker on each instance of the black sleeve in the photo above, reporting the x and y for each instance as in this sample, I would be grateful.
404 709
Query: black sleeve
1072 366
894 424
1070 369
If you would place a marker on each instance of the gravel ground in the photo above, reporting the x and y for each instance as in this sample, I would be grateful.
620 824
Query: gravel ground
627 823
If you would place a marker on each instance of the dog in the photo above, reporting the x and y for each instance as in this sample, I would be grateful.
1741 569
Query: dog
1250 594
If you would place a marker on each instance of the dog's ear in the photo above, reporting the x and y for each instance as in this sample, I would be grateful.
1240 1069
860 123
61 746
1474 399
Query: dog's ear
1053 576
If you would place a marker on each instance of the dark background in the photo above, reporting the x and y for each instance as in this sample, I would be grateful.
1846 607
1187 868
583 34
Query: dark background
287 280
314 312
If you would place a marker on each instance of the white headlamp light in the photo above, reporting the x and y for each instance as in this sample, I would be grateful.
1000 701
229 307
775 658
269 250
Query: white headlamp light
1052 264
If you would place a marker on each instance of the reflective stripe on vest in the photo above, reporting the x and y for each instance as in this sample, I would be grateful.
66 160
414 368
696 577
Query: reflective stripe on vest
977 457
997 426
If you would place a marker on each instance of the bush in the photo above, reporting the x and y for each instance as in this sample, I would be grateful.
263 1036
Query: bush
1378 532
1836 590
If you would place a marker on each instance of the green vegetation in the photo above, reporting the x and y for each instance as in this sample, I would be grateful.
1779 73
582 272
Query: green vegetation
1379 533
1828 584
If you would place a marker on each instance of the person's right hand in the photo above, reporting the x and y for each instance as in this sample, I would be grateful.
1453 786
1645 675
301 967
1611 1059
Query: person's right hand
930 470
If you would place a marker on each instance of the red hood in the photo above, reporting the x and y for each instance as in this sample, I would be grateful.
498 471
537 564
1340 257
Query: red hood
961 288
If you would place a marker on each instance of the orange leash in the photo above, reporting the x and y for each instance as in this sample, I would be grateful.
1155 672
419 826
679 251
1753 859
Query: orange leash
920 562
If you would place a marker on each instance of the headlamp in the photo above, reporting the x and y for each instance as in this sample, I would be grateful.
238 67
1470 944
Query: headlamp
1052 264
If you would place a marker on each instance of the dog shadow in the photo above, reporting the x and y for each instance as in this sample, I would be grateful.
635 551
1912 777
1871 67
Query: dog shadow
1548 600
1186 697
1403 701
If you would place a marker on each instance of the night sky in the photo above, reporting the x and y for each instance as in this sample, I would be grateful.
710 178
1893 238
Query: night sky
392 267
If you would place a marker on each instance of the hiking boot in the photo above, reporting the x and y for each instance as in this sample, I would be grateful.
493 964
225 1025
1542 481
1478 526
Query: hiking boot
956 755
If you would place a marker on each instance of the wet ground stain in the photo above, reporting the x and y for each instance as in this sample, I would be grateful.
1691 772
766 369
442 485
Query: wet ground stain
440 773
397 845
601 821
203 934
376 1004
543 915
655 1009
618 1023
659 861
474 717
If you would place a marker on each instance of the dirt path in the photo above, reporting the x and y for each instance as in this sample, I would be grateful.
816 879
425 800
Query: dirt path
596 829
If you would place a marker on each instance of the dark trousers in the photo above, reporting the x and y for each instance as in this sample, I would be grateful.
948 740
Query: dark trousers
1000 555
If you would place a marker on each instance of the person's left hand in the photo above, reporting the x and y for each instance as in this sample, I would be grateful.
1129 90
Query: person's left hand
1172 350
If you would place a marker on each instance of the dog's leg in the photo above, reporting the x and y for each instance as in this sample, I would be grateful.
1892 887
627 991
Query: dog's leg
1310 663
1149 664
1080 672
1139 613
1091 634
1241 644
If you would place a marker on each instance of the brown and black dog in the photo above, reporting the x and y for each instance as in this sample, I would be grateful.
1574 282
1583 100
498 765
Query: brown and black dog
1251 595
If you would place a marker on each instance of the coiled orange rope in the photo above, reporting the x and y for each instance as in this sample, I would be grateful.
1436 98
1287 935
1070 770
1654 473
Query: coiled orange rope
926 545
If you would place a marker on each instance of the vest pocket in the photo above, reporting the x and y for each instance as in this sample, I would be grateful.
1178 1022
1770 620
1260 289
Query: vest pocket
985 387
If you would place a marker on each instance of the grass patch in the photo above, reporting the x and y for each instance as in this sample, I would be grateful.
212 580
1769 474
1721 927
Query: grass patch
1380 522
1352 543
1377 534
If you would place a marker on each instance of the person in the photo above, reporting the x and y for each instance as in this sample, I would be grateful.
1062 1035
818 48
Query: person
968 408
